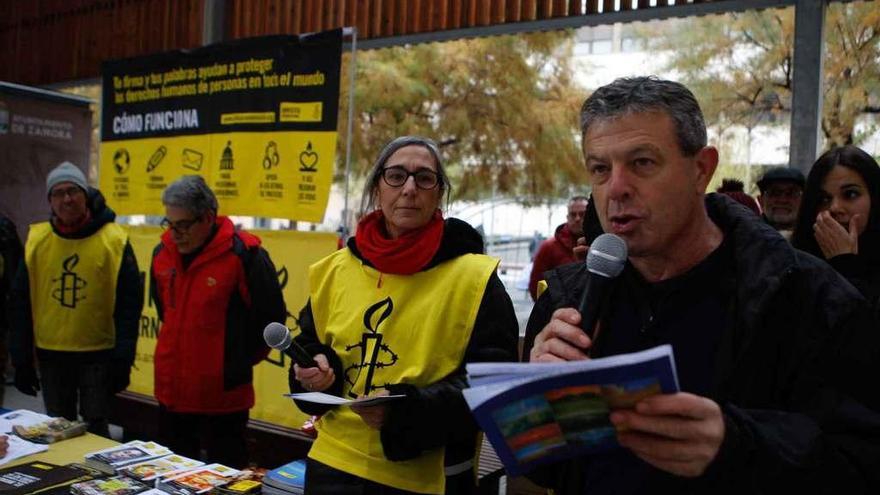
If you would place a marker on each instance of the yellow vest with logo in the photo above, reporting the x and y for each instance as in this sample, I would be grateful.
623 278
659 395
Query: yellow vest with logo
73 287
391 329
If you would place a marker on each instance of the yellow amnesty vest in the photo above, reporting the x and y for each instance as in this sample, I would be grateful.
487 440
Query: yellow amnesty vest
391 329
73 287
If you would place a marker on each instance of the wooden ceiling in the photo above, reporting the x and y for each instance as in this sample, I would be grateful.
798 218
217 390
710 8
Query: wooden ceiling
51 41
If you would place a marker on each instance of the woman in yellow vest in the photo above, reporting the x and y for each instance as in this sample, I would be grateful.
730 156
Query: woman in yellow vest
399 312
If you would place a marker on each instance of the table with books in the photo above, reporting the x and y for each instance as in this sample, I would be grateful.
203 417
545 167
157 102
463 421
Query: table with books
92 465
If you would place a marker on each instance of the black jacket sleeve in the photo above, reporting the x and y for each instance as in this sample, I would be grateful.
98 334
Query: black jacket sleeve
11 252
308 338
129 304
21 337
154 289
267 302
859 272
437 415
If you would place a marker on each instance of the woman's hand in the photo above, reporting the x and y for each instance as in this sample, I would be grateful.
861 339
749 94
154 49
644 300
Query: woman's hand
373 416
835 240
316 379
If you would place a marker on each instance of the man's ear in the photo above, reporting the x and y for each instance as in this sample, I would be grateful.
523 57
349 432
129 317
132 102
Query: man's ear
707 161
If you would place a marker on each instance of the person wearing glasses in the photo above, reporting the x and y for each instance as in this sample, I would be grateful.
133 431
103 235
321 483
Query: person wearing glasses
840 217
781 189
215 290
76 304
399 312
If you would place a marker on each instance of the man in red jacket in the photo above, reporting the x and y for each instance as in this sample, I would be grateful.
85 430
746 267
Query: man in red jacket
557 250
215 289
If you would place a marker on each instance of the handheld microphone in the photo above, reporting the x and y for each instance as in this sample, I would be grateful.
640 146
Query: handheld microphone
277 336
605 260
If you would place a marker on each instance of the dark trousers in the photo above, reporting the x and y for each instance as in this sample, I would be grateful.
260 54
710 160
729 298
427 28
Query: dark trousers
222 436
65 383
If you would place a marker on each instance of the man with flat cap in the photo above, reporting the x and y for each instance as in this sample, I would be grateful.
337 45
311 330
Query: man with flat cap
781 189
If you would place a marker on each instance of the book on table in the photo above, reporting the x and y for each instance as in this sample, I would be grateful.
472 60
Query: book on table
247 482
152 469
109 460
116 485
51 430
286 479
538 413
38 477
200 480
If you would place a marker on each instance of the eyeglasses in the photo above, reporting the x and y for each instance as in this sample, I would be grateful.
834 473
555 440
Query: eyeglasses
793 193
72 191
397 176
180 226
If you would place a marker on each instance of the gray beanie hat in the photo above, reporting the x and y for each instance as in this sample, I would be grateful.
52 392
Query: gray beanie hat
66 172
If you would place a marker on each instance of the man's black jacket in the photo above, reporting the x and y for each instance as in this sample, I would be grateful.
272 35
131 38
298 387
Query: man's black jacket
796 376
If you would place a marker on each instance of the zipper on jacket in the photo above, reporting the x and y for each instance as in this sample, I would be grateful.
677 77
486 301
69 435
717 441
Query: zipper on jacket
171 288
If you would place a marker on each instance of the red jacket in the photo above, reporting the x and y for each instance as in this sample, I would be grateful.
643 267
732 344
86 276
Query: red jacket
213 313
556 251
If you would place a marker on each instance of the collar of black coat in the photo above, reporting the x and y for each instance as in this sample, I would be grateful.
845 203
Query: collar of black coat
101 215
458 238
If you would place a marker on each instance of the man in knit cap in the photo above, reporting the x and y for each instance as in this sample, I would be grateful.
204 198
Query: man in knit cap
76 303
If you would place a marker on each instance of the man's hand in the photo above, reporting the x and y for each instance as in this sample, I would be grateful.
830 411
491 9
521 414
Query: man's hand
561 339
4 445
835 240
580 249
678 433
317 379
26 380
373 416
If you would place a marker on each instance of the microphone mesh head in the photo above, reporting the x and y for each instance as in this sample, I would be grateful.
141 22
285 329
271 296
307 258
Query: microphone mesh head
607 255
275 334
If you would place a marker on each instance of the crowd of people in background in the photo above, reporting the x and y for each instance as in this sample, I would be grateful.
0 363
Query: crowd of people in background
770 306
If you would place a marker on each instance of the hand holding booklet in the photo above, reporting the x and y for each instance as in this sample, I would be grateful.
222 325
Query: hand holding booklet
538 413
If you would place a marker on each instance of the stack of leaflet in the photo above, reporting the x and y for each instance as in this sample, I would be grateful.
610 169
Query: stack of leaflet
37 476
117 485
288 479
150 471
199 480
112 459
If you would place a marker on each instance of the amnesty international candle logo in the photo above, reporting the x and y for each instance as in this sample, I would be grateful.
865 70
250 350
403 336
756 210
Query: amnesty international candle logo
371 348
69 286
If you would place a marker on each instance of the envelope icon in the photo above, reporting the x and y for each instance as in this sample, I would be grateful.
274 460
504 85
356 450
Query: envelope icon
192 159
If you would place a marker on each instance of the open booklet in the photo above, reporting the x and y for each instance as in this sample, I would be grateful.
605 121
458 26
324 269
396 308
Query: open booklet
332 400
537 413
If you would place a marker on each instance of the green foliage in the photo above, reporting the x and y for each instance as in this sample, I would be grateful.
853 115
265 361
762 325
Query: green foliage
503 109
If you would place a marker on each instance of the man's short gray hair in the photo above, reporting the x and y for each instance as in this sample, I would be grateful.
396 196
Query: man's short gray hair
191 193
631 95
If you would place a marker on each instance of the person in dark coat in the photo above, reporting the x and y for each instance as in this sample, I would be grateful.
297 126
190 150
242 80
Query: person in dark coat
839 219
559 249
776 354
400 311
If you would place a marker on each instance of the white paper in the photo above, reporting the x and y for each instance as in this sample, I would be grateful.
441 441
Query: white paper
19 447
21 417
476 370
332 400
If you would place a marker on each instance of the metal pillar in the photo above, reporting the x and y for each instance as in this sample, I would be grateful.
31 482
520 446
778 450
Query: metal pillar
806 100
214 22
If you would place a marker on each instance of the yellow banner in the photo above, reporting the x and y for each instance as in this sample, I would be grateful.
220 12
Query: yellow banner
292 252
270 174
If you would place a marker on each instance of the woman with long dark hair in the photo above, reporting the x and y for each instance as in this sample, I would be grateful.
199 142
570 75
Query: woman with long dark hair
839 218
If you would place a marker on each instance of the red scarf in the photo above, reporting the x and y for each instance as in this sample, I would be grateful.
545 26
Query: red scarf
405 255
72 229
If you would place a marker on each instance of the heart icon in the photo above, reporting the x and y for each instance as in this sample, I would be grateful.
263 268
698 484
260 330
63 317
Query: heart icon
308 160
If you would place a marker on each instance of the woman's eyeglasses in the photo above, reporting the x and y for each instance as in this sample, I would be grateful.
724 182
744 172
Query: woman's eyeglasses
397 176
